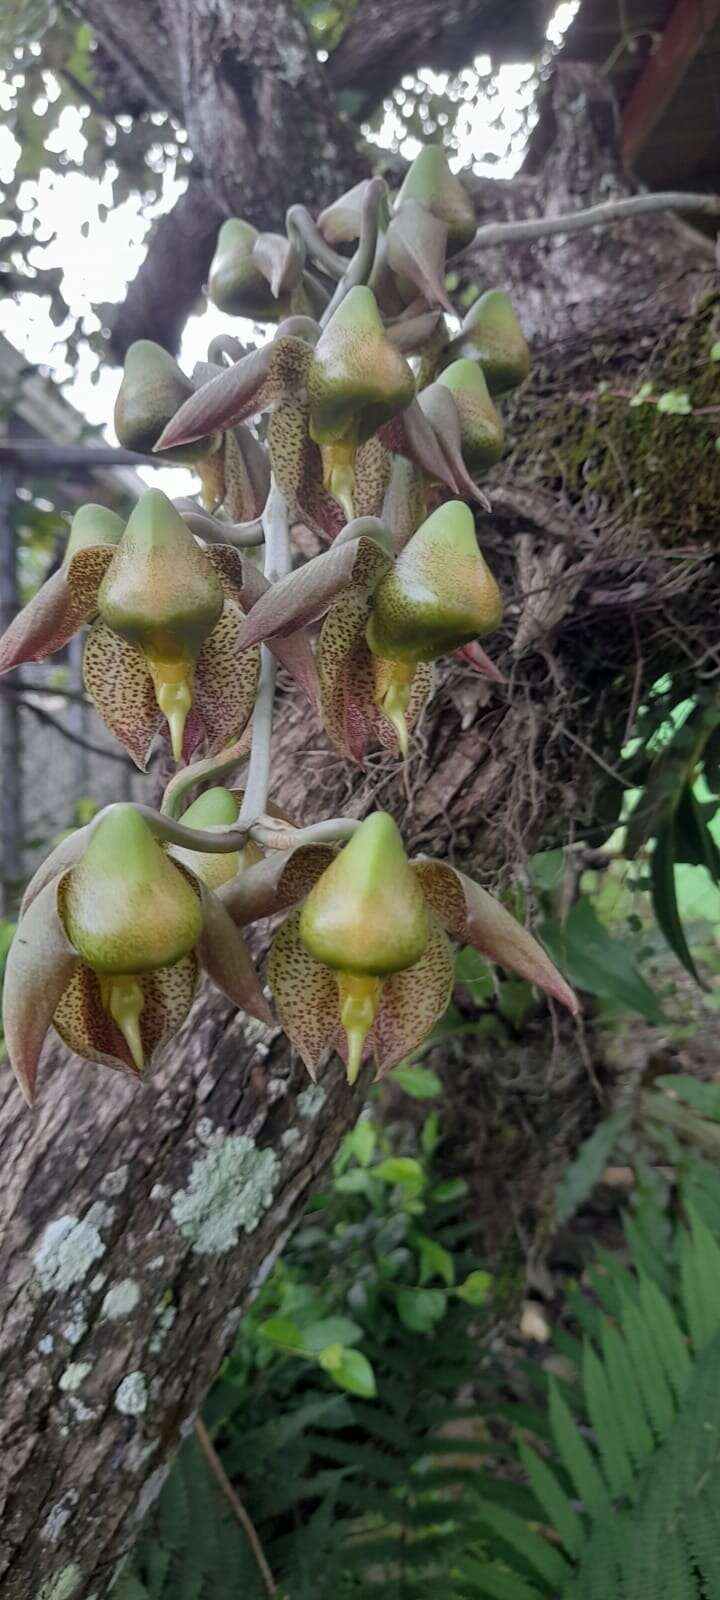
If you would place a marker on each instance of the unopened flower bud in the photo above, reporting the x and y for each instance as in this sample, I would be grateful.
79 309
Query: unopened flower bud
430 182
235 283
153 388
481 429
492 335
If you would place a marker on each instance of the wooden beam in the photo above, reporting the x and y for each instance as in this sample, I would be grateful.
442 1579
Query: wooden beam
688 27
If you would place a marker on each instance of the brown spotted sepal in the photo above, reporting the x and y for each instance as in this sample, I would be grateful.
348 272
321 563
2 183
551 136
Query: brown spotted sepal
163 653
108 950
70 597
471 915
361 967
261 380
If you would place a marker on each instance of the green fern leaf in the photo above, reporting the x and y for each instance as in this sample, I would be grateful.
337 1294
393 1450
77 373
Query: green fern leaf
667 1334
700 1281
649 1371
544 1558
560 1512
627 1400
702 1532
599 1399
489 1580
576 1455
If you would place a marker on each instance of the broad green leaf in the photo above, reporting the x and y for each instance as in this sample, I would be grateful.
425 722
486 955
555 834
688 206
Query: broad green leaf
420 1309
357 1181
476 1288
283 1333
350 1370
364 1141
419 1082
435 1260
451 1189
664 899
330 1331
592 959
475 973
403 1170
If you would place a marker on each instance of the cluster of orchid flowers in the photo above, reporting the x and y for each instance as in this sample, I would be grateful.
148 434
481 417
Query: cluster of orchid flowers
380 424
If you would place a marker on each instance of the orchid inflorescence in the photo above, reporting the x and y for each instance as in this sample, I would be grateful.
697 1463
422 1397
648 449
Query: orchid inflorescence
381 421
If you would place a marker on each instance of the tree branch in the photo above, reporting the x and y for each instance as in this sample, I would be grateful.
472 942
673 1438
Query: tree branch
162 295
386 38
494 233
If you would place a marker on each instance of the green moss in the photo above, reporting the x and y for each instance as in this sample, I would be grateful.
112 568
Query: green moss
633 465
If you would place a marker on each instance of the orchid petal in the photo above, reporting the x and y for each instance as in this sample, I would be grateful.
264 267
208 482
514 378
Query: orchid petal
342 634
340 222
473 916
58 609
412 1001
279 262
86 1027
416 245
244 583
373 465
40 964
65 855
247 475
303 596
224 685
404 506
275 884
444 420
261 379
411 333
305 994
226 960
476 656
118 681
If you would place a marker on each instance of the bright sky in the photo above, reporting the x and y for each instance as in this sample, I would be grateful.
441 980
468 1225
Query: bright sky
100 247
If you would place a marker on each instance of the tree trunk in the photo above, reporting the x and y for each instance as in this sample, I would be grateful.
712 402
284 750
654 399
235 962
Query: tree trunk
138 1221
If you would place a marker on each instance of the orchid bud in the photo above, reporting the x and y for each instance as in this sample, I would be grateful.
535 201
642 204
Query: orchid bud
430 182
153 388
235 282
481 429
217 808
92 525
162 595
128 911
365 918
491 334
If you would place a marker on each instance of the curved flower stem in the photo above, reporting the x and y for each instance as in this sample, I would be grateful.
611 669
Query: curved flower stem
198 771
244 535
303 232
361 265
233 1499
225 344
277 564
333 830
212 841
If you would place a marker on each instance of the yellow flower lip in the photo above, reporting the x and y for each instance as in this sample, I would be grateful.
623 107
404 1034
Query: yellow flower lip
366 914
125 907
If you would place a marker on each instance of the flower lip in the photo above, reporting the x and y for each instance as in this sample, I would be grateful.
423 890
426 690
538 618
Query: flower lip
366 914
160 592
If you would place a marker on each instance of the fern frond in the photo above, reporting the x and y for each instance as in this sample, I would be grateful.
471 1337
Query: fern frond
628 1404
576 1456
617 1464
558 1509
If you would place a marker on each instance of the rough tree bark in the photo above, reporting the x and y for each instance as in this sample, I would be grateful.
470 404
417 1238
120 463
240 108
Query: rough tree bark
136 1222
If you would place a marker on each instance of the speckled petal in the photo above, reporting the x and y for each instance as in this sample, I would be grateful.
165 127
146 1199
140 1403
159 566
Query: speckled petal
280 881
305 994
224 685
121 688
56 612
261 379
297 465
342 637
373 464
244 583
412 1001
40 964
247 475
87 1028
356 564
473 916
222 952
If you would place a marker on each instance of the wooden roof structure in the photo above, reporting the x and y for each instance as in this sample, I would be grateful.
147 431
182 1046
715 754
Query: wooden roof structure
663 60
